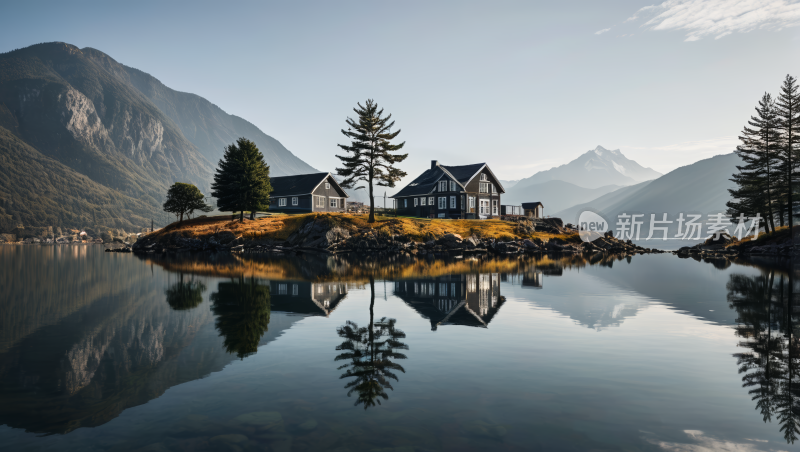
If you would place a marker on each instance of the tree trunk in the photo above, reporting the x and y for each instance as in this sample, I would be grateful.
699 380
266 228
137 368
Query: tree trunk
371 218
181 219
241 216
252 214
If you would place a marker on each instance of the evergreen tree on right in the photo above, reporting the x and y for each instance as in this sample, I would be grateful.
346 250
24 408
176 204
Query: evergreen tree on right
242 180
788 124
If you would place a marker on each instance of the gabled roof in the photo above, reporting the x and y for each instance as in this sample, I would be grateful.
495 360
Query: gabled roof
426 182
301 184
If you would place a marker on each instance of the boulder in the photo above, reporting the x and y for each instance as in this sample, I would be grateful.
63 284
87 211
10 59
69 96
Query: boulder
225 237
336 235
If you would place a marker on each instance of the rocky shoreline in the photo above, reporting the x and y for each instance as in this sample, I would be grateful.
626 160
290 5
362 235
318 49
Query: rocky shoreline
321 237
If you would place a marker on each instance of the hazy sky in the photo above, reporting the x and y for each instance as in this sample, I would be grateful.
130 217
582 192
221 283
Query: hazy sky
523 86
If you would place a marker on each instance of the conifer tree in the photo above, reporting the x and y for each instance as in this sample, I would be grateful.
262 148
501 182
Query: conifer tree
185 198
756 179
242 180
788 123
371 155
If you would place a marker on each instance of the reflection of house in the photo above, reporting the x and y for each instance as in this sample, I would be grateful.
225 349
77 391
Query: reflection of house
471 300
532 279
306 298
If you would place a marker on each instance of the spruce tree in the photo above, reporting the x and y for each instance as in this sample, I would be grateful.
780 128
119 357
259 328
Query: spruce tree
371 155
756 181
184 199
242 180
788 124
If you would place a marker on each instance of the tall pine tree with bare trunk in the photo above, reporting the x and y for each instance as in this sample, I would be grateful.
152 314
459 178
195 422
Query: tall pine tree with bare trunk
370 156
788 112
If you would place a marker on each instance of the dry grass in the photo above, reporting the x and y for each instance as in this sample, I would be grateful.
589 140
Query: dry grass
420 229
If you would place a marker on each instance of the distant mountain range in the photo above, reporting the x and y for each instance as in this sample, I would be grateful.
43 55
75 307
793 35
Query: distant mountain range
86 141
594 169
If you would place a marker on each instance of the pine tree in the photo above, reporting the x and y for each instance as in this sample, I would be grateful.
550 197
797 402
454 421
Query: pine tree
756 180
371 155
185 198
788 124
242 180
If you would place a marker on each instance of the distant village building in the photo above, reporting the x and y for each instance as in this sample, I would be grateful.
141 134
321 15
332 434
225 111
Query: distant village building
533 209
466 191
304 193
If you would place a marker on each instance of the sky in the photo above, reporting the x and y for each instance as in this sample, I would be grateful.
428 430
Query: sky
522 86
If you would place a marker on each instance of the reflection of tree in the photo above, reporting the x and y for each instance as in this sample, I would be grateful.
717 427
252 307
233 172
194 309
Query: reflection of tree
370 351
242 308
770 365
185 295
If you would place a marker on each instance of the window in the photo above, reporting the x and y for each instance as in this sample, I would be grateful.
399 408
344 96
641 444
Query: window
320 201
443 202
327 185
452 202
441 215
422 201
493 190
431 201
484 187
416 201
471 202
335 202
483 176
405 203
494 207
294 200
442 185
281 202
452 186
281 289
294 290
484 208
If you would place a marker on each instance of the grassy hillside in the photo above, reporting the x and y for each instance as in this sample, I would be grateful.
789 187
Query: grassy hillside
36 190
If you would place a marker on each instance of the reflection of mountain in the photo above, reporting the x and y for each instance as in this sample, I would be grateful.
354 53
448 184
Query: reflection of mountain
471 299
307 298
118 352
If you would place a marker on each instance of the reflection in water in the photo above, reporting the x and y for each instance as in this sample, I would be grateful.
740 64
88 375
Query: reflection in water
307 298
771 364
242 308
471 299
185 295
370 351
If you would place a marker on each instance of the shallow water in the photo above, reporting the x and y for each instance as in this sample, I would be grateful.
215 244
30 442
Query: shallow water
102 351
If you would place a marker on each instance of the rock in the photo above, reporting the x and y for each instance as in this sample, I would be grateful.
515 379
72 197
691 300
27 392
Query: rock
336 235
225 237
529 244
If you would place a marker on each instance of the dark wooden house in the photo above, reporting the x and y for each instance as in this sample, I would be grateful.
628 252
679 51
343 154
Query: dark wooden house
533 209
466 191
317 192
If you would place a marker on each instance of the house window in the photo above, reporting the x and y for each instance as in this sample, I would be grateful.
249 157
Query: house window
294 200
484 187
422 201
294 290
281 202
320 201
443 202
494 207
452 202
471 202
442 185
335 202
405 203
416 201
484 208
281 289
431 201
452 186
441 215
493 190
483 176
327 186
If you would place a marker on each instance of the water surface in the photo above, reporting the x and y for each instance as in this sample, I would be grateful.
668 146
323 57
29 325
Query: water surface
103 351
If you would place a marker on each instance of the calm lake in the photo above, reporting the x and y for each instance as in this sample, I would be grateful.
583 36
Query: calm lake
105 351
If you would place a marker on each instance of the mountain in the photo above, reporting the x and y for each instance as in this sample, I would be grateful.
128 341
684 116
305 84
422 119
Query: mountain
509 183
207 126
701 187
106 141
554 194
596 168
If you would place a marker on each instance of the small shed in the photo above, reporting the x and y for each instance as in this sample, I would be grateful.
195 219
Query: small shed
533 209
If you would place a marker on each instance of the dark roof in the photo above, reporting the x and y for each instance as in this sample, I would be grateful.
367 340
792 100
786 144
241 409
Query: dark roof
426 182
531 205
301 184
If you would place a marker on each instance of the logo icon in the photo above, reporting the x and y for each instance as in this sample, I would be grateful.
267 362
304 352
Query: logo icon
591 226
